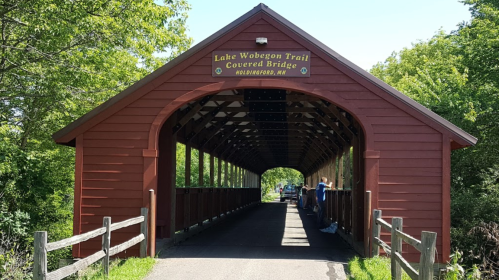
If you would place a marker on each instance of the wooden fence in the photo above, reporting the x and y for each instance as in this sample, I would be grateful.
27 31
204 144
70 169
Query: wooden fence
42 248
195 205
426 246
339 208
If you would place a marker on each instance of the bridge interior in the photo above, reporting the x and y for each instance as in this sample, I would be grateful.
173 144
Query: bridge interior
254 130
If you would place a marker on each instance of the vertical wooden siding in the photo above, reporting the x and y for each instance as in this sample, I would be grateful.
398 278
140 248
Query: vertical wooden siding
410 172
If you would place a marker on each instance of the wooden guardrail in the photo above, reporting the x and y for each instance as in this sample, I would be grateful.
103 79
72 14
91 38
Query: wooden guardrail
42 248
426 246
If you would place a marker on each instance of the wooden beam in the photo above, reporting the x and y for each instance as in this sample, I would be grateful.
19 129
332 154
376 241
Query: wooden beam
190 111
187 165
201 169
204 120
212 171
219 171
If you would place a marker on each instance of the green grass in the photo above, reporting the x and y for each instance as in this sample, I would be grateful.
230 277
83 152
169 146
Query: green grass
129 269
270 197
371 269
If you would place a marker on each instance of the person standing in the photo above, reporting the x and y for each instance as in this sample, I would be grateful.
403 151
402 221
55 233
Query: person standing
304 196
320 192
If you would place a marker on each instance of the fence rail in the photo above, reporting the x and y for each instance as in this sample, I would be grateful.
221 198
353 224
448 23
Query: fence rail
426 246
42 248
195 205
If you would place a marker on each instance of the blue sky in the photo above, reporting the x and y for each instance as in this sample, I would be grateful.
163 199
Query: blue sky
363 31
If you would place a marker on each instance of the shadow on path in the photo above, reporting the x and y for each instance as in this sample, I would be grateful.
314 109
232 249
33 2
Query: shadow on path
267 231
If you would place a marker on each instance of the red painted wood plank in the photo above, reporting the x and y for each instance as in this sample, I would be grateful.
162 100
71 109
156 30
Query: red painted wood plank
113 160
114 219
377 128
130 119
134 229
112 177
113 185
163 94
124 152
411 154
121 127
384 112
152 103
419 223
377 103
414 137
320 78
146 111
341 87
410 188
323 70
414 171
410 162
271 36
412 214
204 61
395 120
110 193
400 180
261 28
113 135
409 205
115 143
248 44
112 202
408 146
129 168
319 62
106 211
413 197
181 86
358 95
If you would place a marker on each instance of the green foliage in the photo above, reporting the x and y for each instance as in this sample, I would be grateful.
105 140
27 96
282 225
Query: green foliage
377 268
455 271
457 76
129 269
270 197
283 175
58 60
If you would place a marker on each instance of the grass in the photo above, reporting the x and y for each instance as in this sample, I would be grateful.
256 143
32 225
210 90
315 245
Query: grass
371 269
129 269
270 197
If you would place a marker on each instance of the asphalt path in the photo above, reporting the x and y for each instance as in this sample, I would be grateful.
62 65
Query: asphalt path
269 241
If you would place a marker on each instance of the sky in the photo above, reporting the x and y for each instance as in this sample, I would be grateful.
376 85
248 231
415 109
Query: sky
364 31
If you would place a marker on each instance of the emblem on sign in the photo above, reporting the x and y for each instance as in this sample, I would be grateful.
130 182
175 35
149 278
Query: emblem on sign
218 70
304 70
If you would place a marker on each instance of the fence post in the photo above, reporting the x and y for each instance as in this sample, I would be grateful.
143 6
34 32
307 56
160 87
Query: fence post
106 242
396 247
152 224
143 230
376 231
367 223
428 242
40 256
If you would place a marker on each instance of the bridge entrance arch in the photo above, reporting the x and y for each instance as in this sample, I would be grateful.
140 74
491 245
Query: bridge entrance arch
262 93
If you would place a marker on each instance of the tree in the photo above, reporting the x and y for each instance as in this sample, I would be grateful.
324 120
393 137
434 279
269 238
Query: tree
58 60
457 76
274 176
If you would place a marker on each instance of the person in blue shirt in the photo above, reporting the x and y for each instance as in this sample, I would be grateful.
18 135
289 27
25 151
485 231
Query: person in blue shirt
320 192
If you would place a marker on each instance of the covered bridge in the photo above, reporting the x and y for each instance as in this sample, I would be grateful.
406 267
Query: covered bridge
258 94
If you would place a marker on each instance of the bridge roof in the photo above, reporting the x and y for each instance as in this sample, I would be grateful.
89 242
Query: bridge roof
67 134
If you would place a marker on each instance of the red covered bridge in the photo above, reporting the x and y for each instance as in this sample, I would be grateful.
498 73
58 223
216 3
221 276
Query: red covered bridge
258 94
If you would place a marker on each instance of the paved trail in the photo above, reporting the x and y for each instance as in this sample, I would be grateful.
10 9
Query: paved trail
269 241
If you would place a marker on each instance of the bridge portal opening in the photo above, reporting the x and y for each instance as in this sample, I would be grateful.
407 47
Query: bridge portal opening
237 135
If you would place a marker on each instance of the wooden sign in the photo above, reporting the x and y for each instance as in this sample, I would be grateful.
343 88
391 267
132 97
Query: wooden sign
261 64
